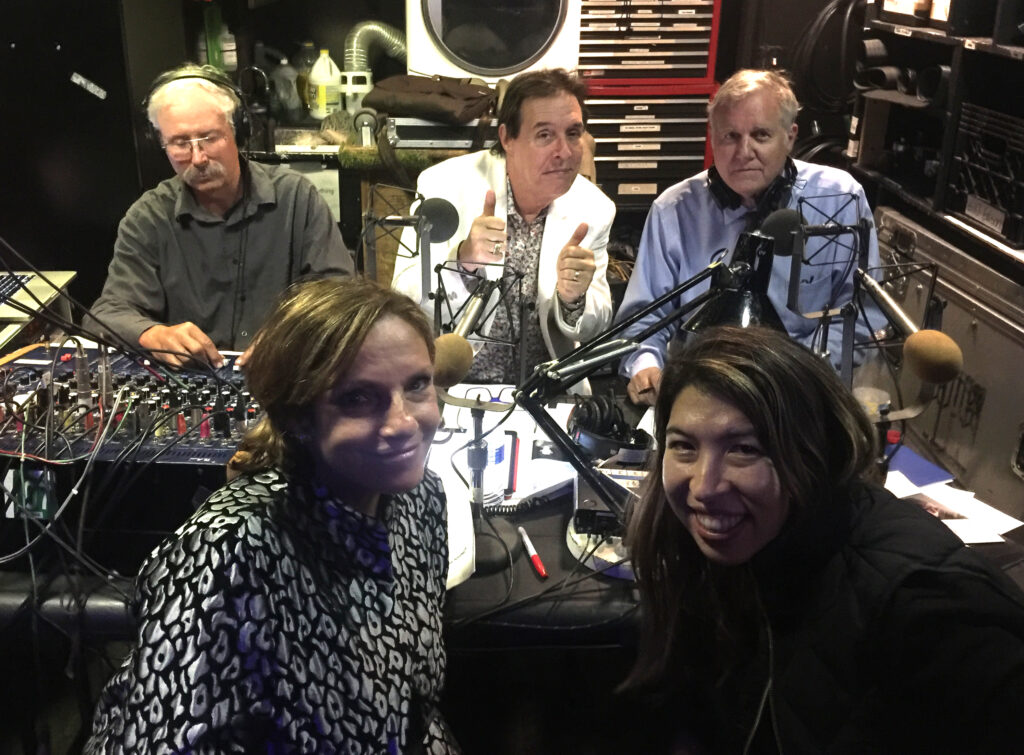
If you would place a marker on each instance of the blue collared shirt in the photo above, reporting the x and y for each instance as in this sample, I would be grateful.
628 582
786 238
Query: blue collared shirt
687 229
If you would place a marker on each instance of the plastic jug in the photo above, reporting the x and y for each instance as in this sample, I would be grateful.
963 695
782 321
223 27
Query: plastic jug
303 62
285 102
324 87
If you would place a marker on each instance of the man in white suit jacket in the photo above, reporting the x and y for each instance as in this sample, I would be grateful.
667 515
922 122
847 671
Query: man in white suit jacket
537 157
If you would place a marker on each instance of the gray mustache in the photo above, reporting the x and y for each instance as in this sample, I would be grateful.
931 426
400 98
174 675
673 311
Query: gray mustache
212 169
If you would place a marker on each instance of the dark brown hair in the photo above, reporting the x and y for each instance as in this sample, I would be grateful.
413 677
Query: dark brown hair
305 346
546 82
812 429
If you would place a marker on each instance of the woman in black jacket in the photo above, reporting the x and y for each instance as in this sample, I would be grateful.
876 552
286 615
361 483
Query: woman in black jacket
792 606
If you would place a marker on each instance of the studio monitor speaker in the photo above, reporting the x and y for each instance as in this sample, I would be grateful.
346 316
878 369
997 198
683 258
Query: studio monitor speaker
971 18
1009 26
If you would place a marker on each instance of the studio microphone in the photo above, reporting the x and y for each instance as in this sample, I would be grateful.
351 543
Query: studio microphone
741 289
781 226
474 308
931 355
453 358
439 212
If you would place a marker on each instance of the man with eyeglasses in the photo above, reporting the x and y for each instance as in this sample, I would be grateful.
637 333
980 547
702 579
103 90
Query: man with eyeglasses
201 258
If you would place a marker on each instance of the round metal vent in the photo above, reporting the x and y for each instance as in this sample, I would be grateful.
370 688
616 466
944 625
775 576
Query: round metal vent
493 38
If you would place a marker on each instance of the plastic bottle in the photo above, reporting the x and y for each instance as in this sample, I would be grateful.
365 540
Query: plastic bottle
286 104
354 86
216 44
304 61
225 49
496 473
324 87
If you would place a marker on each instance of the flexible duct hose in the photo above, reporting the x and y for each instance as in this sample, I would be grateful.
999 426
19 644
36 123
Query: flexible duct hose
365 36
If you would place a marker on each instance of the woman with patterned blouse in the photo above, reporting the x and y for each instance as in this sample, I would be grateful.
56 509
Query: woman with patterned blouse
299 610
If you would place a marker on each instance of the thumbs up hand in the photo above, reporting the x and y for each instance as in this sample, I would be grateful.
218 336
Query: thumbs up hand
486 241
575 267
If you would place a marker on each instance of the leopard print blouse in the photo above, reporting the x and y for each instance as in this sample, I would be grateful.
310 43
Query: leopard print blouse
279 620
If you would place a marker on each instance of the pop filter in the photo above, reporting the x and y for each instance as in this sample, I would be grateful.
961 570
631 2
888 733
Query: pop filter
781 226
453 358
933 356
443 217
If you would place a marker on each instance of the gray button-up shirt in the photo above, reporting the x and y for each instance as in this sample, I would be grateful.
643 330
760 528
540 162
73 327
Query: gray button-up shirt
176 262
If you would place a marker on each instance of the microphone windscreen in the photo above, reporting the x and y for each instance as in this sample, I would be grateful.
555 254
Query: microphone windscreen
443 217
453 358
780 225
932 356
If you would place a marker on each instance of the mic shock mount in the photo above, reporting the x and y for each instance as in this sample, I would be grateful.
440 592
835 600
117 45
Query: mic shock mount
468 320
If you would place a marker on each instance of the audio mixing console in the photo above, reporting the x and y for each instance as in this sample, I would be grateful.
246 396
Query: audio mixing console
68 403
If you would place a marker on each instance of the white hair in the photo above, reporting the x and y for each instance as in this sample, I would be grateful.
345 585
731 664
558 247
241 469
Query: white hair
746 82
185 83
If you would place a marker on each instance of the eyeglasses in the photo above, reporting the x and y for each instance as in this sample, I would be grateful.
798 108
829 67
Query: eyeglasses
181 149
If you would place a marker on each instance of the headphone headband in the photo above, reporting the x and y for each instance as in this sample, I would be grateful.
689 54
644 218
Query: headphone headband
205 72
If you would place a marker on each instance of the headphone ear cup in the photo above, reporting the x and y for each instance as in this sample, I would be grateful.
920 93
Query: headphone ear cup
605 415
242 123
619 429
577 417
599 415
582 414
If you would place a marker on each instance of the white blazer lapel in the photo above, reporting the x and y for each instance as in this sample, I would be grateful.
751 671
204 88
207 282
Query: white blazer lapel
556 233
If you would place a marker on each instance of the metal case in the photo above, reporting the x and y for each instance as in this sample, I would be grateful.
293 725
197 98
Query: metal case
415 133
645 38
975 427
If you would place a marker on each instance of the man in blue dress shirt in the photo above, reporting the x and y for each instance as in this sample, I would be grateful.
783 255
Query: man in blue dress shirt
753 128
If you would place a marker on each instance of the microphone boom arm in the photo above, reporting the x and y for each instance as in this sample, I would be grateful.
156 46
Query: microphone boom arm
613 496
554 377
566 363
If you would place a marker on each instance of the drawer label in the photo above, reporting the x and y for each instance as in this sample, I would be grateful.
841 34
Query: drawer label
638 188
985 213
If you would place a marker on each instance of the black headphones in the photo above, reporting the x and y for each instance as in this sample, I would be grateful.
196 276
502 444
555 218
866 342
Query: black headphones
596 414
240 120
598 426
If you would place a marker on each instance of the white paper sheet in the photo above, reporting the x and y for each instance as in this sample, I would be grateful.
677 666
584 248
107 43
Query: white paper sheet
980 522
533 476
